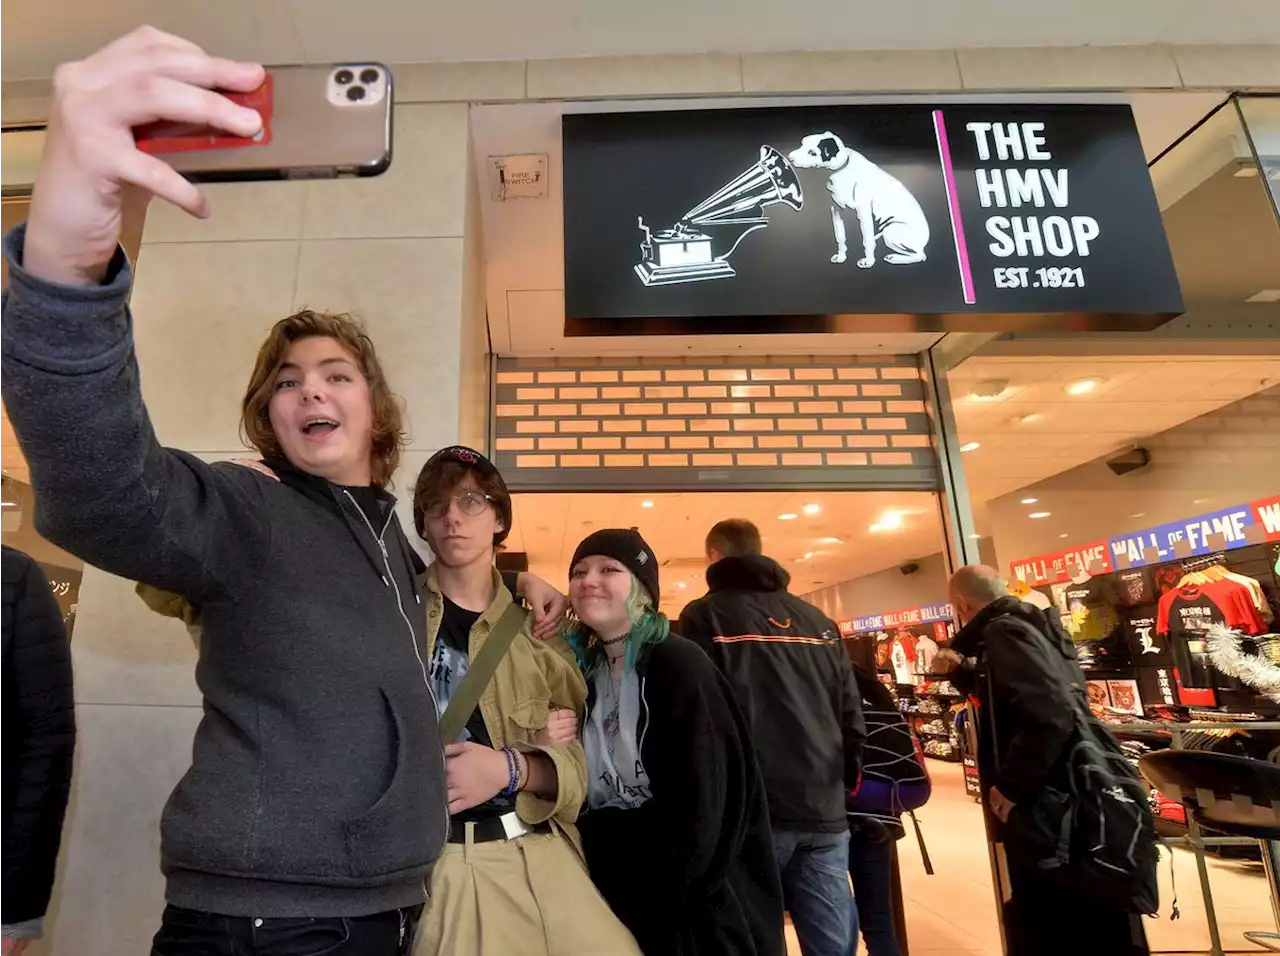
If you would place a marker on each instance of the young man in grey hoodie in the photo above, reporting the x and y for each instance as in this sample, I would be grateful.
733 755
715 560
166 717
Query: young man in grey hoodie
313 644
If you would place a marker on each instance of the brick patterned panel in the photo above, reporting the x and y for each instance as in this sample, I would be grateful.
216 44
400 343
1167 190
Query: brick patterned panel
712 422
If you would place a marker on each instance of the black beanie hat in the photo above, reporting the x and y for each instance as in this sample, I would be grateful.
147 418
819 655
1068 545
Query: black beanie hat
627 547
472 460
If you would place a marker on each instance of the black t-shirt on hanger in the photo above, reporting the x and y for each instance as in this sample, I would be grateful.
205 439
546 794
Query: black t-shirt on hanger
1145 645
1133 588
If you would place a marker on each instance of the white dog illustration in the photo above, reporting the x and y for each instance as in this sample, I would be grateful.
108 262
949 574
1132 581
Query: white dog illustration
885 208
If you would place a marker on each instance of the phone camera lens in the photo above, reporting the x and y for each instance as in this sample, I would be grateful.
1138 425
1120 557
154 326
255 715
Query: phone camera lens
343 77
369 76
355 93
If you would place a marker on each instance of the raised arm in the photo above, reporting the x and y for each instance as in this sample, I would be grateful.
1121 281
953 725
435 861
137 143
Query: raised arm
105 489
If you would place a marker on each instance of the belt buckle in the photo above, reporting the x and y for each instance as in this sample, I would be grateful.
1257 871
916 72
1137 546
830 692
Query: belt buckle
513 826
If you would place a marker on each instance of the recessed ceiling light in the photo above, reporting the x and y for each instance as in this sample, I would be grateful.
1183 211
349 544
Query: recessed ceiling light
829 541
811 509
646 504
1138 514
989 389
1038 514
1082 386
976 537
1063 535
971 446
1029 501
680 584
889 521
808 555
1029 419
787 516
1201 501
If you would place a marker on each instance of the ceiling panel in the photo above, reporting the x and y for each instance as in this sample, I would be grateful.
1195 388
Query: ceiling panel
548 527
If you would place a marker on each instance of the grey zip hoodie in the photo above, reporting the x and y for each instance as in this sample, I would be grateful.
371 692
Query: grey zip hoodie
317 786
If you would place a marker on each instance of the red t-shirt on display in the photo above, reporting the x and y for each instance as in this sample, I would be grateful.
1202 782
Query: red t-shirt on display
1195 607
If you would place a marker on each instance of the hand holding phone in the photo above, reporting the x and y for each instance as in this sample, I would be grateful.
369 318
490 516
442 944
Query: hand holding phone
90 159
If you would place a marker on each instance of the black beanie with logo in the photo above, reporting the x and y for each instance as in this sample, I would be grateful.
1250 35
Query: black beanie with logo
626 547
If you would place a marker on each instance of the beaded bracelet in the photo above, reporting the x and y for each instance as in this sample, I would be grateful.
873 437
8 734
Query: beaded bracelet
513 772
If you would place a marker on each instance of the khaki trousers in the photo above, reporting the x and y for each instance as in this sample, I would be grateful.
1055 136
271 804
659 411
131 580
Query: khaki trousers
531 895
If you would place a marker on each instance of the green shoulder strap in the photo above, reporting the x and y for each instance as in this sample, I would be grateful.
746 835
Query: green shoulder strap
481 671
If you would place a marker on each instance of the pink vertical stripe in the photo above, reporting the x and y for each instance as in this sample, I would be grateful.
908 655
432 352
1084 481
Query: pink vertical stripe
953 204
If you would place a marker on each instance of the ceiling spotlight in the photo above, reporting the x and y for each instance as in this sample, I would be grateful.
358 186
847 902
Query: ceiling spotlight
646 504
989 389
1063 535
889 521
808 555
970 446
811 509
1029 501
680 584
1138 514
1082 386
787 516
1029 419
829 541
1038 514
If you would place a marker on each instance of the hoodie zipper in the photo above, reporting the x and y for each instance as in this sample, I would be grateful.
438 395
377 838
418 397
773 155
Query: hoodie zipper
390 579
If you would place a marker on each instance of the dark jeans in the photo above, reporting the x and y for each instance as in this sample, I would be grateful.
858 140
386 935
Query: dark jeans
871 869
191 933
815 887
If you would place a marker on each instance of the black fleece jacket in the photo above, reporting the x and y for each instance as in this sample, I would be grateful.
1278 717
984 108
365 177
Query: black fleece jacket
793 680
317 785
39 736
692 872
1031 663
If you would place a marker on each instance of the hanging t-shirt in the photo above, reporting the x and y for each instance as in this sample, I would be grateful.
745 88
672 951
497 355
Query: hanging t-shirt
1133 587
1089 615
449 663
901 663
1165 579
1146 644
1195 607
926 651
615 773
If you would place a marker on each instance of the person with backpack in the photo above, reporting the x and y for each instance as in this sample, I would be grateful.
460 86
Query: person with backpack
894 781
1069 810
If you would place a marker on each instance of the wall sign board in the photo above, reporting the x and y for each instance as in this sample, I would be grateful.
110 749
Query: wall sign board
975 216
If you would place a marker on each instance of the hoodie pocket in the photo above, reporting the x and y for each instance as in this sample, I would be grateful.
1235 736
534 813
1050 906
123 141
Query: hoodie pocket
391 836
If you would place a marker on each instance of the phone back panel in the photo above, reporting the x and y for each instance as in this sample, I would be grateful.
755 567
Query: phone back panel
317 130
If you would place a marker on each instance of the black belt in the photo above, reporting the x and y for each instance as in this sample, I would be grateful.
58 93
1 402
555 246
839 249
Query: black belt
487 830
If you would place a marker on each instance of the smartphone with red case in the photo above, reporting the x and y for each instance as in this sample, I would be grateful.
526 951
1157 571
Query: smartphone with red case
318 122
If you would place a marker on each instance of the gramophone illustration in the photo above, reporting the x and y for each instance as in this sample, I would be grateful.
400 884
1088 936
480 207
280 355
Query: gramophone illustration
684 252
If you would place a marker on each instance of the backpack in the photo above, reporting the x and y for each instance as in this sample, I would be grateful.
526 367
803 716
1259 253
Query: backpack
893 779
1092 828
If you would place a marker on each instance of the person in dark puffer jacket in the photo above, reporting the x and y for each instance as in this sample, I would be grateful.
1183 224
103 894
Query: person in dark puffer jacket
39 741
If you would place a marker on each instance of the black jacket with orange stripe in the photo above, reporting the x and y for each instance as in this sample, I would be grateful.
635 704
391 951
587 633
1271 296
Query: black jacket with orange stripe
795 684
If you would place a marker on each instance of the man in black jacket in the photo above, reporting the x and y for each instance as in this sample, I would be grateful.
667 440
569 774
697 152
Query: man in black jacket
795 685
1028 720
39 740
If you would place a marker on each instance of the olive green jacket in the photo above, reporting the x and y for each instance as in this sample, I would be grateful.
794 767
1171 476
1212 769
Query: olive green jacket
532 678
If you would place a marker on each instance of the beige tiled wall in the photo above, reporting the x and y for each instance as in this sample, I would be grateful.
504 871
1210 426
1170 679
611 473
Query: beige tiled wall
391 250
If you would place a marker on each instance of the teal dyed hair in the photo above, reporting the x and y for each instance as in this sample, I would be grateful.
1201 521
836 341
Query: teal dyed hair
648 626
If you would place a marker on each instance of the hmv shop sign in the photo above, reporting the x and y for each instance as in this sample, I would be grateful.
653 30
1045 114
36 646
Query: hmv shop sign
1044 212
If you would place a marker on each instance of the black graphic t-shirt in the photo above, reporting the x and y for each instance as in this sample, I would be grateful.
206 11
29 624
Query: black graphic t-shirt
1158 685
1165 579
449 662
1146 646
1089 612
1133 588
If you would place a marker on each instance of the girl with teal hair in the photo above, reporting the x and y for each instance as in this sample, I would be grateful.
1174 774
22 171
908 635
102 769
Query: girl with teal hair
676 828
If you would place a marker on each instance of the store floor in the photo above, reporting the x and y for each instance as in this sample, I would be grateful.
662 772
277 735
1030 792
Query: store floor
954 912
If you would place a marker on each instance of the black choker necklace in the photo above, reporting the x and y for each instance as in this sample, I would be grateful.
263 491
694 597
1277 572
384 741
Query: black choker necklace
612 641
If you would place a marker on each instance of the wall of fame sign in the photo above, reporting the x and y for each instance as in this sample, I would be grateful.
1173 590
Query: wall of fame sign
860 210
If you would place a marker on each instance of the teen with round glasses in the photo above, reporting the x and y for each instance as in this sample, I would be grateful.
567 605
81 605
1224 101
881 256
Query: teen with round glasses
512 877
